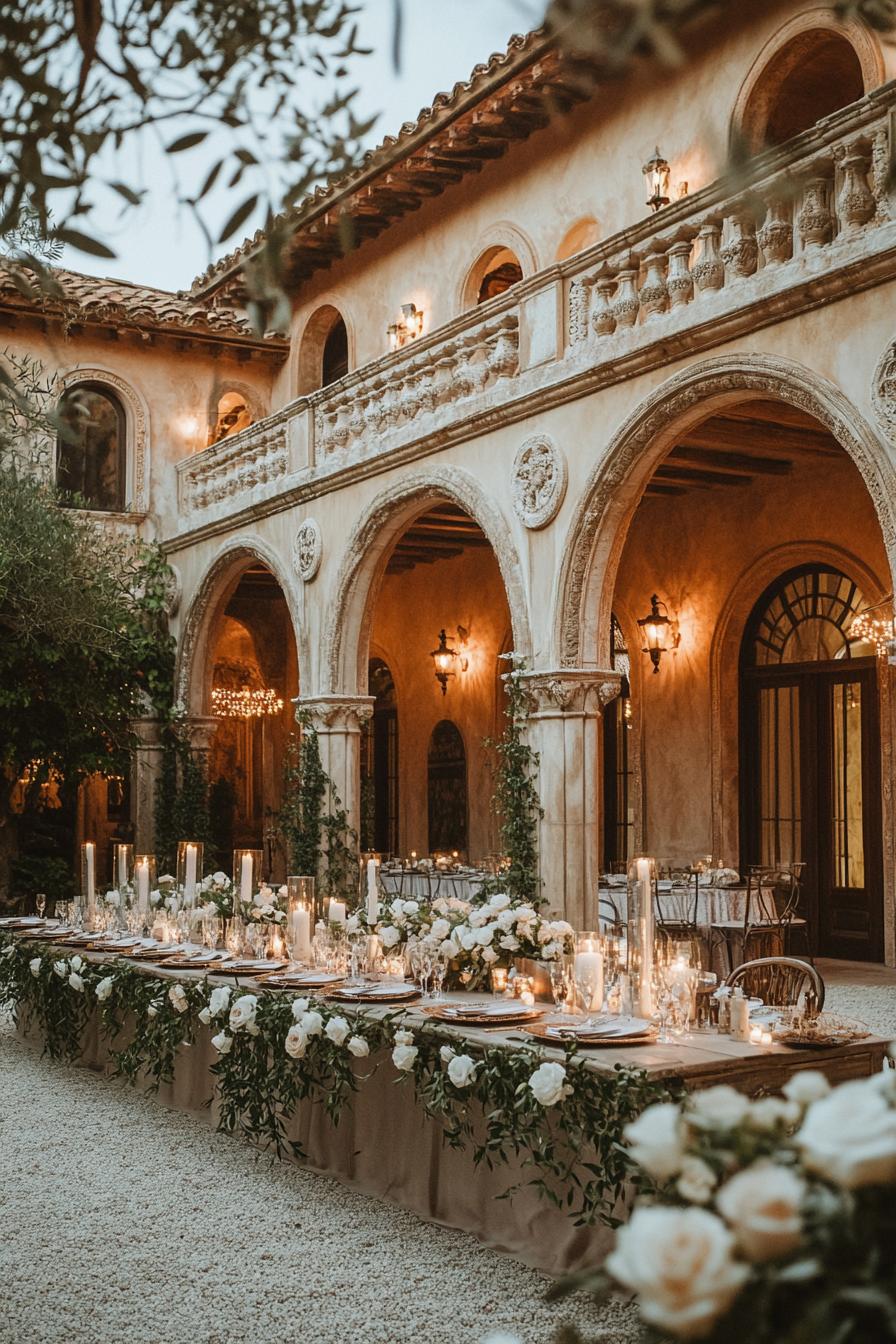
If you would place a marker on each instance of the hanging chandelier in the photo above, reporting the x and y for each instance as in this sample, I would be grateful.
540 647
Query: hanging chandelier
245 703
875 626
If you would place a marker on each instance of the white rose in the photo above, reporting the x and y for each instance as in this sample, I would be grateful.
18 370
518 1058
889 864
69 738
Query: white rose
485 935
404 1037
242 1014
560 928
450 948
697 1180
548 1084
389 935
489 955
299 1009
762 1206
500 901
410 907
544 933
220 879
296 1041
461 1070
311 1023
204 1016
222 1042
850 1136
468 939
806 1086
680 1264
352 924
441 929
509 942
551 950
506 920
358 1046
76 963
76 982
171 903
718 1107
104 989
447 1053
769 1112
654 1140
152 1009
403 1057
525 913
337 1030
113 899
61 969
178 999
34 967
219 1001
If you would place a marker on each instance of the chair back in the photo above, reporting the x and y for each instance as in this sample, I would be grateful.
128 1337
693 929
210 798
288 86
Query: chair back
779 981
608 914
676 906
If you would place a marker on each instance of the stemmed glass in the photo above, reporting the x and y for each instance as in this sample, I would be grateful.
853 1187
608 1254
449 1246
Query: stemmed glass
439 971
562 983
40 904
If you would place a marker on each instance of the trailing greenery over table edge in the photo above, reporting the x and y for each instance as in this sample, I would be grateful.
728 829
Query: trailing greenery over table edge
561 1120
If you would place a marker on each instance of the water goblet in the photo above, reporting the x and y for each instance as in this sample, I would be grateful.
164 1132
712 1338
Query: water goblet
439 971
561 974
40 903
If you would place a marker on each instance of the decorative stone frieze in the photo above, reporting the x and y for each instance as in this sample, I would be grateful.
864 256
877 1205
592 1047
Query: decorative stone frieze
654 293
539 481
814 220
884 390
307 549
602 320
578 691
855 202
336 713
741 253
709 271
236 466
776 235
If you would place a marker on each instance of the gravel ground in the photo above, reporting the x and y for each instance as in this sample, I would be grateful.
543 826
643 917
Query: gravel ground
126 1223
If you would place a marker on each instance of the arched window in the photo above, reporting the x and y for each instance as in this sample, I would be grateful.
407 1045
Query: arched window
810 755
808 78
379 764
501 270
334 363
91 447
231 415
447 789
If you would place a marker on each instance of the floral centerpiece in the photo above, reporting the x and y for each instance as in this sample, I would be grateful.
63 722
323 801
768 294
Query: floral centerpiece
474 935
770 1220
267 906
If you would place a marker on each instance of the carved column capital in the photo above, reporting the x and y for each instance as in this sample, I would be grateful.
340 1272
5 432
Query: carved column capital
201 730
336 713
148 732
571 690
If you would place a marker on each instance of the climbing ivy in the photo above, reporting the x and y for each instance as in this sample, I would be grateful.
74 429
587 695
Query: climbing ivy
515 798
319 842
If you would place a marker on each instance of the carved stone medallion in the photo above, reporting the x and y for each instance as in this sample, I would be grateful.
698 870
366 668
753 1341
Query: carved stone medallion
539 481
306 550
884 390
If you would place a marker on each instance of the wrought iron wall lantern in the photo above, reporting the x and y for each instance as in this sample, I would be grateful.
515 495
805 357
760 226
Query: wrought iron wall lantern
448 659
656 173
407 328
657 628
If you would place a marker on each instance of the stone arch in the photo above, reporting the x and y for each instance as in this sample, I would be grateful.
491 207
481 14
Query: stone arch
501 237
311 346
365 559
136 414
222 576
598 530
786 50
220 388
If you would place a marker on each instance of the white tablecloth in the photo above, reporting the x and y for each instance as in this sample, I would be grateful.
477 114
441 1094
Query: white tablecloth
412 885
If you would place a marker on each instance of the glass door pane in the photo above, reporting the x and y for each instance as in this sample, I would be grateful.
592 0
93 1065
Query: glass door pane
847 822
780 803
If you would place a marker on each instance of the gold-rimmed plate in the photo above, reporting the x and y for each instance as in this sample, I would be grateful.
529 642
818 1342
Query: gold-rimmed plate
497 1016
253 967
303 980
376 994
560 1034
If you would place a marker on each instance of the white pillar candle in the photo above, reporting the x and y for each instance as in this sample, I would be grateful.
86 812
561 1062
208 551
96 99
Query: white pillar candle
190 875
246 875
301 934
589 974
373 900
142 885
336 912
645 1005
90 856
122 856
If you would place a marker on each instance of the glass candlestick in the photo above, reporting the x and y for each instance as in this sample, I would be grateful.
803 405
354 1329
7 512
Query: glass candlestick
641 932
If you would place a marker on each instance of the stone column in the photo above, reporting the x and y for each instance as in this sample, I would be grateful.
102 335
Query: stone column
146 768
201 730
563 729
337 719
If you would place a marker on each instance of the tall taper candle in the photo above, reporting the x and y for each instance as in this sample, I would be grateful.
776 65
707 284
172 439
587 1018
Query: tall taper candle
373 900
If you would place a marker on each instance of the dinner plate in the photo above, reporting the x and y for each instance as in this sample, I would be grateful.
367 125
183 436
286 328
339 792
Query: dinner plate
22 922
257 967
377 994
298 980
629 1031
485 1019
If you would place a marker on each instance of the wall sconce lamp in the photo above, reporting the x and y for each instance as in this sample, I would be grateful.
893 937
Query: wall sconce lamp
657 629
407 328
446 658
656 173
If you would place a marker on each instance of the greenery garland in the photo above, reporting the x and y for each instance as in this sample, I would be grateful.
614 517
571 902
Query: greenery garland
570 1142
515 798
319 842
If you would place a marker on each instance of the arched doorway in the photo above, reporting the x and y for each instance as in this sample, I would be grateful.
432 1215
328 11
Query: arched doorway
810 754
379 764
446 790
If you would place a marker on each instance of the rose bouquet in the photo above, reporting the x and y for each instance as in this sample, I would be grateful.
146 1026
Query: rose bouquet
217 890
267 907
770 1220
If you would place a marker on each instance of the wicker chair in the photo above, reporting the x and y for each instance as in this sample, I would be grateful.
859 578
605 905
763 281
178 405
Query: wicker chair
779 981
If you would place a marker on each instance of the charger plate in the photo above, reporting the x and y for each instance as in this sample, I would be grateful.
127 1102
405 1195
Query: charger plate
488 1017
303 980
376 994
638 1032
250 967
822 1032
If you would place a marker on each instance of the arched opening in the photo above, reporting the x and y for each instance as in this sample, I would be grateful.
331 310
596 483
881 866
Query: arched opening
379 764
446 790
323 351
810 752
812 75
757 493
439 576
250 678
91 448
618 791
584 233
494 272
232 413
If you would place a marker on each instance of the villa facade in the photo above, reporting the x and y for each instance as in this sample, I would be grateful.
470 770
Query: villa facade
522 404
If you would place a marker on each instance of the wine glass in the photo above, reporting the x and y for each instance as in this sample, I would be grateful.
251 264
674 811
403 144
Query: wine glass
40 903
560 971
439 971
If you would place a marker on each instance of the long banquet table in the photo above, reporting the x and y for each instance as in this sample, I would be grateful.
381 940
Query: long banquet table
384 1145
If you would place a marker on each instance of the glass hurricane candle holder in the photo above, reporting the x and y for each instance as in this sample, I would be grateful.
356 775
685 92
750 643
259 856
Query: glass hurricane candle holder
144 881
589 972
189 869
122 866
246 875
87 907
299 917
641 932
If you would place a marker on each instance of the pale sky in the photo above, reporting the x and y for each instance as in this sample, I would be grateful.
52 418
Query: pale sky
442 41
